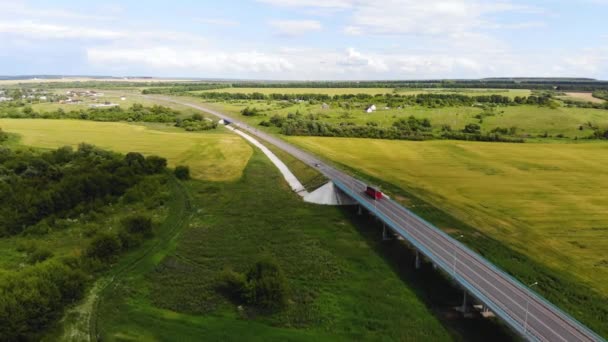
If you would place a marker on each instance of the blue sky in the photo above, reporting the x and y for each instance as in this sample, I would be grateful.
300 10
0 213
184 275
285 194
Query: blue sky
305 39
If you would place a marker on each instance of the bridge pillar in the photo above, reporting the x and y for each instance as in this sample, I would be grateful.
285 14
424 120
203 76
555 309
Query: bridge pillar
360 210
386 234
465 306
417 262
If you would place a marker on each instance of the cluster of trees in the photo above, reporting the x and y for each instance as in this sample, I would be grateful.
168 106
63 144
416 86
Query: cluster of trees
195 123
297 124
601 94
183 88
62 182
136 112
472 132
32 298
263 286
392 100
38 188
250 111
588 104
502 83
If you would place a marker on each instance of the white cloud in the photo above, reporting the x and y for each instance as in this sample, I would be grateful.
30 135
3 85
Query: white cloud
189 59
327 4
356 60
295 27
34 30
218 22
21 8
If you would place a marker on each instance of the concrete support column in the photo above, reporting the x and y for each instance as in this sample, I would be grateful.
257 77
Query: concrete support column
417 263
465 306
360 210
385 233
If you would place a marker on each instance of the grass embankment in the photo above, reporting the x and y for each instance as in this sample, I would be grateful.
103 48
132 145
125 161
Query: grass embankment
340 288
210 155
542 201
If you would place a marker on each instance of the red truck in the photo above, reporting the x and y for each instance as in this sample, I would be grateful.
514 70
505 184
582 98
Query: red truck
374 192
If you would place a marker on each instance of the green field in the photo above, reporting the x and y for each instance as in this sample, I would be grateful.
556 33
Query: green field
543 200
343 284
211 156
132 96
531 121
370 91
328 91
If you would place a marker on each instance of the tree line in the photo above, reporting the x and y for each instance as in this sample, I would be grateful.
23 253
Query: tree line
392 100
136 113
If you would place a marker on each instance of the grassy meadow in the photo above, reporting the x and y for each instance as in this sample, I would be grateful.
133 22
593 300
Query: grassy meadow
544 200
211 156
371 91
344 283
531 121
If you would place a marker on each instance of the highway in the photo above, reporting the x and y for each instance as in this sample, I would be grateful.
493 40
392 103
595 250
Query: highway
523 310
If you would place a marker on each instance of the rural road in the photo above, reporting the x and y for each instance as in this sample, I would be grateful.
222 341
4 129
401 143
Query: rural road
526 312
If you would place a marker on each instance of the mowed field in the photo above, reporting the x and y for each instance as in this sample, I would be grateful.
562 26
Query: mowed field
543 200
582 96
211 156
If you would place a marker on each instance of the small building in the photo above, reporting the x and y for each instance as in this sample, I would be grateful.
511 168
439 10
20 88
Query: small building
371 109
122 98
325 106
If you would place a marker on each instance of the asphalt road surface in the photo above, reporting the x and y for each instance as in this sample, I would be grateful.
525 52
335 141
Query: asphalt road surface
522 309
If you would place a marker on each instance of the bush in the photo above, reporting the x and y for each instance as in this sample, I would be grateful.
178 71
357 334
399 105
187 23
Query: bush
233 284
104 246
39 255
267 285
138 225
264 286
182 172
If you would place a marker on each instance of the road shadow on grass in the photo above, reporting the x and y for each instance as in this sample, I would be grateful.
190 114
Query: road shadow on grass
440 294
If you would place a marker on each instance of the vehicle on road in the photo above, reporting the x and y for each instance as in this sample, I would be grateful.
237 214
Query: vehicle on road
374 192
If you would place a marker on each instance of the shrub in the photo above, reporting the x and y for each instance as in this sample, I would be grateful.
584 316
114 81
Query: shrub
39 255
182 172
138 225
103 246
233 284
267 285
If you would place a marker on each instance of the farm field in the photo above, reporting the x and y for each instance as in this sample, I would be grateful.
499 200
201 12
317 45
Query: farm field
341 286
543 200
531 121
328 91
113 96
371 91
211 156
582 96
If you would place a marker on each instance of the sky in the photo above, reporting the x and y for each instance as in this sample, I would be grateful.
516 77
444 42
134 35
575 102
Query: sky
306 39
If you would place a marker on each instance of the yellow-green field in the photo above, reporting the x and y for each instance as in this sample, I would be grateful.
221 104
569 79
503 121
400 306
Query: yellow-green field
371 91
210 156
545 200
328 91
466 91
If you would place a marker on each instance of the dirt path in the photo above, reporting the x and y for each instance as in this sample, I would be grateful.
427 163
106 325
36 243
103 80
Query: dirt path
81 320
